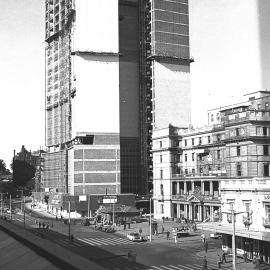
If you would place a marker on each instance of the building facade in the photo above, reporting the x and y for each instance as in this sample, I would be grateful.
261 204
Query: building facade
112 79
206 173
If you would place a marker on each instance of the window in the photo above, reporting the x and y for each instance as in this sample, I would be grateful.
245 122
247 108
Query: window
162 208
160 144
212 117
161 174
238 150
193 171
218 137
186 171
208 138
237 132
266 150
259 106
161 190
185 142
247 205
201 170
193 156
192 141
266 105
160 158
264 131
267 212
185 157
238 169
200 140
265 169
218 154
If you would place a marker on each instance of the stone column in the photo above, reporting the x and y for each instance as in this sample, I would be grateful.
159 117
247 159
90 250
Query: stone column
192 186
200 212
178 187
185 187
178 210
211 188
211 213
202 187
185 211
190 212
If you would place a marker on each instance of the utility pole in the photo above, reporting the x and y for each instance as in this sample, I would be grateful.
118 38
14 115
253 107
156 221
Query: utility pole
69 220
10 215
150 220
23 211
1 204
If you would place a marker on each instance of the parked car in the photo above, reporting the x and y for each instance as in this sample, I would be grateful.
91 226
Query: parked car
215 235
136 220
12 211
135 237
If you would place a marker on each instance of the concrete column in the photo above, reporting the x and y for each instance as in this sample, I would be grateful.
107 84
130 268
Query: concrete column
185 187
178 187
192 186
211 213
211 188
185 210
190 212
200 213
178 210
202 187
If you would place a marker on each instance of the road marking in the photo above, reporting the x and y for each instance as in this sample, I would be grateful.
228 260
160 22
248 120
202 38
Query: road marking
186 267
156 267
175 267
165 267
89 243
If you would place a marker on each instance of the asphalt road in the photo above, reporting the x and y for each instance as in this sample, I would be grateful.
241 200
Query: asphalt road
111 250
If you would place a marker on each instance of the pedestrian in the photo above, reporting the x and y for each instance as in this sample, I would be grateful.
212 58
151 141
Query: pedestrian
219 262
223 257
39 224
257 262
204 263
203 237
206 246
168 235
56 218
140 231
162 229
43 225
124 226
47 226
163 218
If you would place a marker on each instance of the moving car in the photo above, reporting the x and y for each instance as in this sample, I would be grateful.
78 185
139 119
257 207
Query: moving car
135 237
215 235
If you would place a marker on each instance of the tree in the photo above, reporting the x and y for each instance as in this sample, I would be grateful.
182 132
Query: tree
3 168
23 173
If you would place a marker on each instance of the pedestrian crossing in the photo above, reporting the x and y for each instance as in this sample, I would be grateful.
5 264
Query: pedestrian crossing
193 266
95 242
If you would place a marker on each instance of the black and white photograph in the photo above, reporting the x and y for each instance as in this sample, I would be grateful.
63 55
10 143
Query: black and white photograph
135 134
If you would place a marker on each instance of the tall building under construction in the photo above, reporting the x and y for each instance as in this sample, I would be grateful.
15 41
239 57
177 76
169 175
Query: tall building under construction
115 69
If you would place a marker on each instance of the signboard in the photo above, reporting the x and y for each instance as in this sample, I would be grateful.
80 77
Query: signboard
82 198
110 199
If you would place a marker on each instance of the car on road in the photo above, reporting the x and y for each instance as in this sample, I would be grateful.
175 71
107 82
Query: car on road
12 211
215 235
135 237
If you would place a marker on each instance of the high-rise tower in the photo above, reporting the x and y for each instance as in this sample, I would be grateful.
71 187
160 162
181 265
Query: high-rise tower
110 65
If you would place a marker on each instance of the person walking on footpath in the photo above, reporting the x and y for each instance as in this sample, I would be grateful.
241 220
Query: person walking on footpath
168 235
206 246
140 231
203 237
162 229
224 257
204 264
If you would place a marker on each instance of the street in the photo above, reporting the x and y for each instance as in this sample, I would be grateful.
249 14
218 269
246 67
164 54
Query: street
111 249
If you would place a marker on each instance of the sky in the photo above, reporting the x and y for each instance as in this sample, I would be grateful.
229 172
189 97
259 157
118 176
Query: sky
226 38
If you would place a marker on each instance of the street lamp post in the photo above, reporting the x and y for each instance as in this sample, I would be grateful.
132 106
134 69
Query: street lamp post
150 221
2 203
10 215
233 213
69 220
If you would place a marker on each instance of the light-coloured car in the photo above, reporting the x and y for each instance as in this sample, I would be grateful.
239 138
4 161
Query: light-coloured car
215 236
135 237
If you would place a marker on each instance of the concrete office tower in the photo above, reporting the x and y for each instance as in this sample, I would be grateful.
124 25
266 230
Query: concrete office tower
100 76
164 70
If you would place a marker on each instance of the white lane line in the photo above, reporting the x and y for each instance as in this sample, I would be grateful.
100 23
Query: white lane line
88 243
98 241
91 240
176 267
186 267
112 241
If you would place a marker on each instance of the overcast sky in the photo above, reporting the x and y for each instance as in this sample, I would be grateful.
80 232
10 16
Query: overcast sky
225 43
